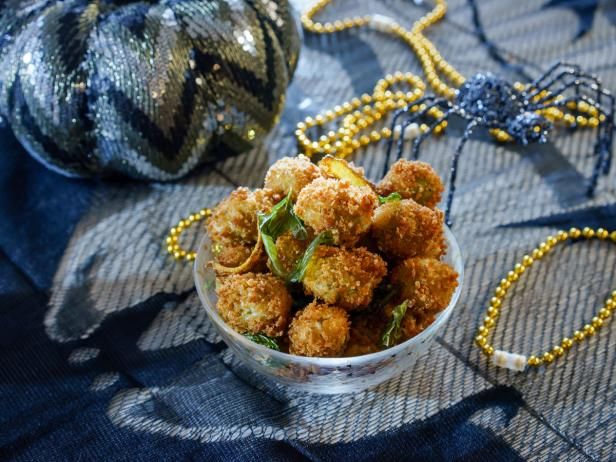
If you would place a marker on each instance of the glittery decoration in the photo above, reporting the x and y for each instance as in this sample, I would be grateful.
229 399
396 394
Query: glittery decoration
515 113
146 89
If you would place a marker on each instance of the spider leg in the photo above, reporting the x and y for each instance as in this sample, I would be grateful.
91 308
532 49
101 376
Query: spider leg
412 117
420 139
538 84
394 123
605 103
454 169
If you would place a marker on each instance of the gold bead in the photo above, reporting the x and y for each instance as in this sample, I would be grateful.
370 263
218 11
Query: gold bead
552 241
562 235
544 247
566 343
588 232
614 295
181 224
511 276
500 292
173 231
604 313
537 254
505 284
176 255
495 302
578 336
602 234
548 357
170 249
519 269
493 312
534 361
527 260
613 236
609 304
488 350
482 330
597 322
480 340
488 322
575 233
558 351
169 240
589 330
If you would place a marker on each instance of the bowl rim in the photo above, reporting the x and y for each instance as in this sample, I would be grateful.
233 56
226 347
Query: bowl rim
343 361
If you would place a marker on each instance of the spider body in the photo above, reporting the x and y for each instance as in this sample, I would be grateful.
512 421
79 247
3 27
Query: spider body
493 103
496 104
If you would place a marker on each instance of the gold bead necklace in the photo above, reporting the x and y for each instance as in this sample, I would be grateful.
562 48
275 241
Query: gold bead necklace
355 129
519 362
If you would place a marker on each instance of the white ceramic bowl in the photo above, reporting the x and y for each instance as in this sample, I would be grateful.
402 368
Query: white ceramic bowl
324 375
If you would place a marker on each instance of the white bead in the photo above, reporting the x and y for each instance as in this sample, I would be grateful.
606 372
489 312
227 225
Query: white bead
397 131
382 23
412 132
508 360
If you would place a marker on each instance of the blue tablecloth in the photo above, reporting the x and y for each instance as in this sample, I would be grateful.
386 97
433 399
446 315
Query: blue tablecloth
105 353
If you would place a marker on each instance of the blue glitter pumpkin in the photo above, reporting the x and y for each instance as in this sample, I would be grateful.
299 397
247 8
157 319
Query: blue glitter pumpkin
146 89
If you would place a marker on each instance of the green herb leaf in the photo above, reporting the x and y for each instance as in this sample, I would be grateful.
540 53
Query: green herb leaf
391 334
394 196
300 267
264 340
279 220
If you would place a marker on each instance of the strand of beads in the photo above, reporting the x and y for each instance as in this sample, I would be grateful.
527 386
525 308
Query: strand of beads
172 240
518 362
360 114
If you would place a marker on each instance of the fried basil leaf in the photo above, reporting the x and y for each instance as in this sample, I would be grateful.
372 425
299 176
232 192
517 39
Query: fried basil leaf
282 219
300 267
391 334
275 223
394 196
264 340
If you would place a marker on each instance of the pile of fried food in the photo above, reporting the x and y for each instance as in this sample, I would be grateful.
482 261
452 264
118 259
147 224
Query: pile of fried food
321 262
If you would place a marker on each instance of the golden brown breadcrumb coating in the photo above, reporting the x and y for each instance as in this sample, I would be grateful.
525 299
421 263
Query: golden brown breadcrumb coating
291 173
344 277
427 284
413 323
405 229
255 303
230 253
366 331
235 217
337 206
413 179
290 250
319 330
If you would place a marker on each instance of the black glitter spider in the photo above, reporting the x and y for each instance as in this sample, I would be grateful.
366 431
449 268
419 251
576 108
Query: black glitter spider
491 102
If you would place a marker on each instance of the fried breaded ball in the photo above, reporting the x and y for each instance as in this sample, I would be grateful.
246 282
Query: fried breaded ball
230 253
344 277
337 206
319 330
254 303
235 217
290 250
413 179
413 323
366 331
291 174
427 284
405 229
